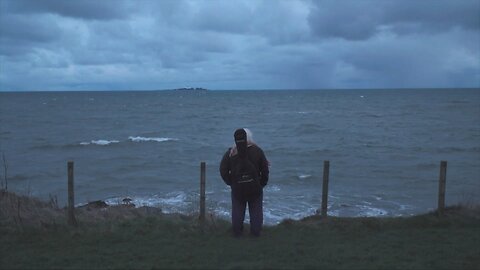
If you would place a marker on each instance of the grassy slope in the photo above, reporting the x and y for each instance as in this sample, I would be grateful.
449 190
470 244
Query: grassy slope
161 241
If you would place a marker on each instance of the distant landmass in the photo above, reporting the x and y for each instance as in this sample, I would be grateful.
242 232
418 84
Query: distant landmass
190 89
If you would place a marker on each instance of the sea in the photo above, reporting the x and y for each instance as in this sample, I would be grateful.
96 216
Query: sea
384 147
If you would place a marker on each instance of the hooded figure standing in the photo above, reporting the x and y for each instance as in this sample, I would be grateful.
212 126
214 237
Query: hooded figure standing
244 168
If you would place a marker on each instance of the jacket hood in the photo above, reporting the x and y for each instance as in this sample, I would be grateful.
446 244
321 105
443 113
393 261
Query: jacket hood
242 136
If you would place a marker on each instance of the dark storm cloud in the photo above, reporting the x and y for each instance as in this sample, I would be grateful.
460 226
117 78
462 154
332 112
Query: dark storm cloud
24 29
233 18
328 20
358 20
84 9
21 34
251 44
436 15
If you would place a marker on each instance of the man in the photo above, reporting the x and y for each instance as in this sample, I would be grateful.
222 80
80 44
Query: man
244 168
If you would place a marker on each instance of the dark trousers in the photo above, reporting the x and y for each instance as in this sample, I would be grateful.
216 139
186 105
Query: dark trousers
255 210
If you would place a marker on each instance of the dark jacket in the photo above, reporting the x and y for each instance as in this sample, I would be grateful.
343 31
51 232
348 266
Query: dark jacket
255 155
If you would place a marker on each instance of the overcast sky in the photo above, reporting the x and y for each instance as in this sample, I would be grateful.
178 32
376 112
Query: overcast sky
273 44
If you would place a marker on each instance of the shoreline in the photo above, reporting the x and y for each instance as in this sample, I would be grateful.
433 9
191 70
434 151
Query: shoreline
35 234
18 209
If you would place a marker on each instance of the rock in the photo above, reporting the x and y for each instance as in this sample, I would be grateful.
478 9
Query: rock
128 202
95 205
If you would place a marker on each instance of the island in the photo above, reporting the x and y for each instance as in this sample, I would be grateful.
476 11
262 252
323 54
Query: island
196 89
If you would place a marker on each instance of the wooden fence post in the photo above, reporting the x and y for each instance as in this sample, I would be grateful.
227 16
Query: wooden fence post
202 191
441 187
71 204
326 172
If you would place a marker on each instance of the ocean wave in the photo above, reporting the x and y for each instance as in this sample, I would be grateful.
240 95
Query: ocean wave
304 176
104 142
275 216
100 142
150 139
272 188
171 202
368 211
308 128
361 209
174 198
447 150
403 207
44 147
308 112
221 212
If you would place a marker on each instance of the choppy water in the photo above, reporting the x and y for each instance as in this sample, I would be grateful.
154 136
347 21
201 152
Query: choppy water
384 147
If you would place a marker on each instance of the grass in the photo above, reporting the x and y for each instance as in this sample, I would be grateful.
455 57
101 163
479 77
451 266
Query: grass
160 241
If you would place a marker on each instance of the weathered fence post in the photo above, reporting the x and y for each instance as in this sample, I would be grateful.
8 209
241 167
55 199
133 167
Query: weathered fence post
5 167
326 172
202 191
441 187
71 205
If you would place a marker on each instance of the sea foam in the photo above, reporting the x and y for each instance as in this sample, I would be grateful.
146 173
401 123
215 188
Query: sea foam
172 202
149 139
100 142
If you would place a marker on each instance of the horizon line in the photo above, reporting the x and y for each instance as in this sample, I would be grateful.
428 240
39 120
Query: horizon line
259 89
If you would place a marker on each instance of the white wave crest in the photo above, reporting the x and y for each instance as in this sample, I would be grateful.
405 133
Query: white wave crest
100 142
172 202
272 188
304 176
149 139
368 211
174 198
